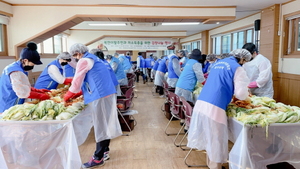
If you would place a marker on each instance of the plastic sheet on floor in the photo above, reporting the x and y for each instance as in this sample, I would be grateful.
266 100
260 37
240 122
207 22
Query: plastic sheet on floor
254 148
43 144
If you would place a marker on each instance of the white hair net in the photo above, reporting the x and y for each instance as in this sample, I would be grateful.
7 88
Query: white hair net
211 57
116 54
78 48
64 55
183 52
94 51
241 53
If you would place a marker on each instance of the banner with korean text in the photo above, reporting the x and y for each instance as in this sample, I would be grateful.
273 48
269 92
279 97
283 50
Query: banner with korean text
136 44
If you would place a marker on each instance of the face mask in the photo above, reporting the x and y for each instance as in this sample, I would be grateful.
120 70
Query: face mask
76 60
27 68
64 63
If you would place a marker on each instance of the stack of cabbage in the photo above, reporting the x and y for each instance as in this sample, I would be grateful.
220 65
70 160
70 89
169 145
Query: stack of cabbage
44 110
264 112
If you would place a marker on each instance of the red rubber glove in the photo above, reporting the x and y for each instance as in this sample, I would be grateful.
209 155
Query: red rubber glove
39 90
78 94
206 75
203 83
38 95
69 95
253 85
68 81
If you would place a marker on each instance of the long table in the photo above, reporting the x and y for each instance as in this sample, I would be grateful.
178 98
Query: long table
254 148
49 144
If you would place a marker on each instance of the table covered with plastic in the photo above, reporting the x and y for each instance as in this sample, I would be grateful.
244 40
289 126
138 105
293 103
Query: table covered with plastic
255 147
49 144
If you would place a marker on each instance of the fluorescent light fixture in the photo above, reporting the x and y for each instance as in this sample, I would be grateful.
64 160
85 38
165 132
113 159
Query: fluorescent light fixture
217 23
107 24
180 23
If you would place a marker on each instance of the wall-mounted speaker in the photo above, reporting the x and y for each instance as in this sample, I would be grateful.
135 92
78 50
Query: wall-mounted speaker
257 25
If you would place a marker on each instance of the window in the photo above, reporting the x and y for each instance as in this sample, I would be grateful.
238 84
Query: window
192 45
48 46
3 40
226 43
57 44
234 40
168 52
292 41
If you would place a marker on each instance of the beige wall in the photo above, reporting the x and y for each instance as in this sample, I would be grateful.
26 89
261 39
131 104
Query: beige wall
21 26
5 8
193 37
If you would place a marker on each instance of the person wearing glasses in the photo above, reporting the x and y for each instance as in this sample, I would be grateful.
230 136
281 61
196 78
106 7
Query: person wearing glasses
54 73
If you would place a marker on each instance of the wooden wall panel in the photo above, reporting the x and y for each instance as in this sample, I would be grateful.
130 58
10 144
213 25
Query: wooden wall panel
204 42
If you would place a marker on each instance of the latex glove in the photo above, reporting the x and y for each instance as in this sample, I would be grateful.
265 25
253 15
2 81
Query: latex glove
206 75
203 83
69 95
39 90
253 85
68 81
78 94
38 95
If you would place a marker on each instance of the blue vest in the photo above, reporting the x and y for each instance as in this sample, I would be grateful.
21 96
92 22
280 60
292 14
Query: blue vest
129 58
126 64
120 70
8 97
97 82
219 87
155 66
45 81
142 62
148 62
187 79
172 73
69 71
111 72
162 67
205 67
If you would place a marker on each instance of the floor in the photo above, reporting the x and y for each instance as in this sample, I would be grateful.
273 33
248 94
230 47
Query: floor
147 146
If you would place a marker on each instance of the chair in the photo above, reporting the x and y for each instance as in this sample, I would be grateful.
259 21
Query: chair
123 104
176 112
187 109
130 84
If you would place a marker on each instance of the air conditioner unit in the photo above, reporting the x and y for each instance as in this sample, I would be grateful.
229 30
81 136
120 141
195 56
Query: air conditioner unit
143 24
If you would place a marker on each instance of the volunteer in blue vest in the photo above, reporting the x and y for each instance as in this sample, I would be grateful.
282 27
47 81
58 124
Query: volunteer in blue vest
128 57
208 130
184 59
118 69
93 78
97 52
54 73
149 64
191 74
174 68
259 71
14 83
125 62
162 69
141 66
155 66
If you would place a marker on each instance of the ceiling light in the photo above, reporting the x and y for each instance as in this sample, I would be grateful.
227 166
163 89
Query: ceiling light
180 23
217 22
107 24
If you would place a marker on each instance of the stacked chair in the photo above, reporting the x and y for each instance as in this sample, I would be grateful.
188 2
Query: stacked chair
125 103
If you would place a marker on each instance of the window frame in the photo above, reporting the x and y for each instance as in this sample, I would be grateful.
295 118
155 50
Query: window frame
4 40
291 35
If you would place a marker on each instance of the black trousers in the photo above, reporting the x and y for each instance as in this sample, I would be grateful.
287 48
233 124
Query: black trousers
101 147
160 90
